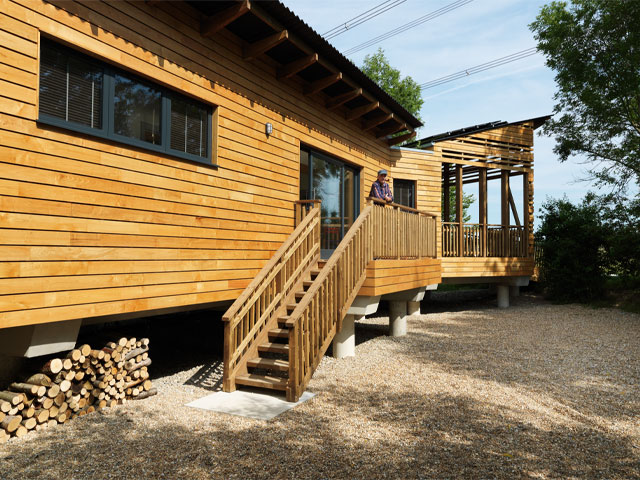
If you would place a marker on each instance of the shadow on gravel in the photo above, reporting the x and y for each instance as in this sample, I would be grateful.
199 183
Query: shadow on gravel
584 362
375 435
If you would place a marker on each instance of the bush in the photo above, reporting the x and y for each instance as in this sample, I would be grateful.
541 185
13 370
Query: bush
574 253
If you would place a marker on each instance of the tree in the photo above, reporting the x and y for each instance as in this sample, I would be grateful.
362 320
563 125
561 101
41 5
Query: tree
406 91
594 48
467 201
573 241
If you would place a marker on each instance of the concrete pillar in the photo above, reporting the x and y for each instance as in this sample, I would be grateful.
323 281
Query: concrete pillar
344 343
397 318
514 291
503 296
413 308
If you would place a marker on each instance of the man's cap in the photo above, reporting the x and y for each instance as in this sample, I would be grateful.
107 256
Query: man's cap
382 172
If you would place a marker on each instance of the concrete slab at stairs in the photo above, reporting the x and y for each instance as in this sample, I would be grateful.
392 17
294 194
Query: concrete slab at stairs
261 406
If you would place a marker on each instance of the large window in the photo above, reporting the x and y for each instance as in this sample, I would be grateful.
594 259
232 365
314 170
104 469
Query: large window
82 94
404 192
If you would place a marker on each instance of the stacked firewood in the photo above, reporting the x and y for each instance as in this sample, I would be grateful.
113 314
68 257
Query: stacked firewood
85 381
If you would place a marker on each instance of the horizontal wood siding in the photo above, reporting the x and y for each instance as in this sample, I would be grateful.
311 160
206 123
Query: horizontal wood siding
388 276
457 267
90 227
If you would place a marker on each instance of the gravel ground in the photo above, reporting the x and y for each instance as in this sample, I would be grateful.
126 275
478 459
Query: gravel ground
534 391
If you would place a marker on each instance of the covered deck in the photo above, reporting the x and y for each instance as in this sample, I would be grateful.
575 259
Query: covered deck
475 158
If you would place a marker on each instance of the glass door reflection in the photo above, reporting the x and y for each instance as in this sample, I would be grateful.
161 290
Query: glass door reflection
335 184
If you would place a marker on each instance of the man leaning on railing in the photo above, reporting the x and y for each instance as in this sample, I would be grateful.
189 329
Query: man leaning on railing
380 188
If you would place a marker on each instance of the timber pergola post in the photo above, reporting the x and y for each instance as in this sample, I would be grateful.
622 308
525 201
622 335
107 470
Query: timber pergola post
526 215
459 211
505 215
446 199
482 205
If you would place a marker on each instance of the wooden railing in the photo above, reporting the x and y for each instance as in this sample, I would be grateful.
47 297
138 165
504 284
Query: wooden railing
377 233
402 232
302 209
246 320
501 241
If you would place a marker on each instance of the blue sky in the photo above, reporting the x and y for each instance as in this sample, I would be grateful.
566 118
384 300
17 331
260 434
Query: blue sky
475 33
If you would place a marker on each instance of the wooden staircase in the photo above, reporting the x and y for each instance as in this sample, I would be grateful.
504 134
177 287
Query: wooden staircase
270 368
279 329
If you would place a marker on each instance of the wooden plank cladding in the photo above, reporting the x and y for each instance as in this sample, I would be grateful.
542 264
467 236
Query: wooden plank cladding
114 223
388 276
457 267
92 226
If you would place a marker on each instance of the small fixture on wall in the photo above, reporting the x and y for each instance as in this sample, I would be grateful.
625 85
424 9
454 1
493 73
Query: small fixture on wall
268 129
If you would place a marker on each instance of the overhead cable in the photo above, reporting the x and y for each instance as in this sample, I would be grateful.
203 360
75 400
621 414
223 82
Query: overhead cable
407 26
363 17
480 68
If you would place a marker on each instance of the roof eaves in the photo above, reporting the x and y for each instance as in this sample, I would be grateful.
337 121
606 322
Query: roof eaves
296 25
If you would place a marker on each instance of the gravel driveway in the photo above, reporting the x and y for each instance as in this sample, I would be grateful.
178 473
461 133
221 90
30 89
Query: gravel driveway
534 391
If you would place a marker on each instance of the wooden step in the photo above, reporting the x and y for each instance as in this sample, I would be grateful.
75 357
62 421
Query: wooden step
274 347
315 272
299 295
282 319
262 381
291 307
269 364
306 284
279 332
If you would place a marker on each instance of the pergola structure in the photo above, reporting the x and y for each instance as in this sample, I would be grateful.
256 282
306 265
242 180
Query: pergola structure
478 154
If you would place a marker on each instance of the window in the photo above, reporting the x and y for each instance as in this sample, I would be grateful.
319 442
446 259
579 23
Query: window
404 192
82 94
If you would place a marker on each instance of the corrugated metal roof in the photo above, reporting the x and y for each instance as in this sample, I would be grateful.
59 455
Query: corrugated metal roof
537 122
297 26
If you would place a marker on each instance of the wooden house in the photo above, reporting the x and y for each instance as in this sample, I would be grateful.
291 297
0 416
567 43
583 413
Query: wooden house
159 156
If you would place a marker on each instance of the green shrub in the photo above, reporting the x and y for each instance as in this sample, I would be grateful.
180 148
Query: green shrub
574 250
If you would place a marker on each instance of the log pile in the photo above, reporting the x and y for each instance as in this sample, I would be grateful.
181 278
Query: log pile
85 381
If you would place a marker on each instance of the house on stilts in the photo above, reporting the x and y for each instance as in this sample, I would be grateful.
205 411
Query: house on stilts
160 156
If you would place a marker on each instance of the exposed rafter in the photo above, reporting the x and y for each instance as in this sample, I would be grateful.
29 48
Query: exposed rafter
401 138
261 46
291 68
344 98
391 130
214 23
374 122
323 83
358 112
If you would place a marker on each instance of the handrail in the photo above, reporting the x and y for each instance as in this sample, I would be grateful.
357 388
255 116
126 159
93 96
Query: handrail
399 207
318 315
303 207
248 316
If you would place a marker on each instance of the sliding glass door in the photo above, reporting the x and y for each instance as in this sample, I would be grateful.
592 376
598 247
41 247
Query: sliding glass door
336 184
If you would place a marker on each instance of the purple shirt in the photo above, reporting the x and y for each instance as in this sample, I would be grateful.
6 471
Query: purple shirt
380 191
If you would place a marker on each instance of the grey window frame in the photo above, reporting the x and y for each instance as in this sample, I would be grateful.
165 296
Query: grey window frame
106 131
401 183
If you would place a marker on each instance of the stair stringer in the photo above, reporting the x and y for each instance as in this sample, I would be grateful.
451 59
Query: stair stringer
272 322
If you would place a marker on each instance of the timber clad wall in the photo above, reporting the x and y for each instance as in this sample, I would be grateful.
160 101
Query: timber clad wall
90 227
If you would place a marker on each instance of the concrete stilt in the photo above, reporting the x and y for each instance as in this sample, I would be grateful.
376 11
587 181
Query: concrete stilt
344 343
503 296
413 308
397 318
514 291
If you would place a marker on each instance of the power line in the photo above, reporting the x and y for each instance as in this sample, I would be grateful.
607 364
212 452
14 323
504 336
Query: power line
363 17
480 68
403 28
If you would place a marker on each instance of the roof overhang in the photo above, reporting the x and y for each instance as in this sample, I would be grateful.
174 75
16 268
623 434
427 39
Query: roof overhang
270 29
